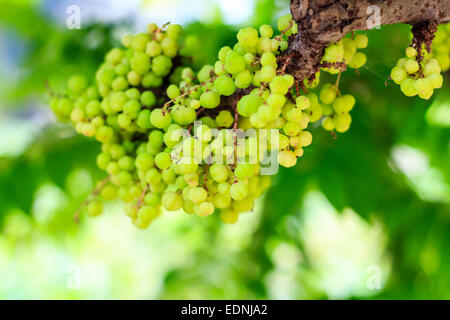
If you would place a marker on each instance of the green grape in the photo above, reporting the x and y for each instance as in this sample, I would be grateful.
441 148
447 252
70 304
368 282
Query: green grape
244 171
424 88
222 54
302 102
205 73
361 41
109 192
436 80
161 65
238 190
160 119
210 99
248 105
358 61
147 213
408 87
218 172
328 124
411 66
248 38
284 22
183 115
172 201
243 79
105 134
197 195
77 84
139 42
103 159
94 208
204 209
163 160
224 85
234 62
287 159
398 74
328 94
266 31
140 63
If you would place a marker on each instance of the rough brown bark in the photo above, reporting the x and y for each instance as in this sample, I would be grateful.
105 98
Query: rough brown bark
321 22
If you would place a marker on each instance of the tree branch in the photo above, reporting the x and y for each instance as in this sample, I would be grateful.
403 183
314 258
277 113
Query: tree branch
321 22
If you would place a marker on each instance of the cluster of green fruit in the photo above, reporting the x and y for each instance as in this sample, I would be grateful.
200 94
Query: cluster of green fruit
346 51
175 138
417 75
441 46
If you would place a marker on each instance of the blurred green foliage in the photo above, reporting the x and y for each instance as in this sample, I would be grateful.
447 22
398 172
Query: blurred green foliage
195 258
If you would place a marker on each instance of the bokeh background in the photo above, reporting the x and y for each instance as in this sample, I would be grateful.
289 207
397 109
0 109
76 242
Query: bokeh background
363 216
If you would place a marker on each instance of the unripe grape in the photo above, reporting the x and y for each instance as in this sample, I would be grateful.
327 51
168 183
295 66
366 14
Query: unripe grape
284 22
279 85
342 122
238 190
328 124
408 87
229 216
358 61
174 31
328 94
424 88
432 67
411 52
77 115
234 62
224 119
160 119
398 74
94 208
77 83
183 115
248 105
108 192
210 99
287 159
411 66
222 200
139 42
361 41
197 195
248 38
436 80
127 40
302 102
269 59
161 65
172 201
266 31
204 209
305 138
225 85
267 73
147 213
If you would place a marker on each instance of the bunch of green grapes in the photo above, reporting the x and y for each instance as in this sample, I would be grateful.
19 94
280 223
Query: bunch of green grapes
328 105
176 138
346 52
441 46
417 75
